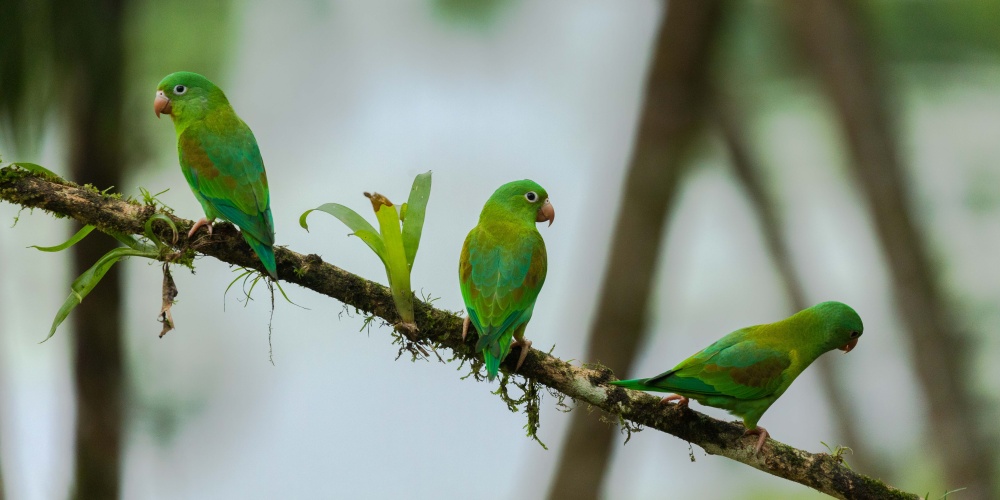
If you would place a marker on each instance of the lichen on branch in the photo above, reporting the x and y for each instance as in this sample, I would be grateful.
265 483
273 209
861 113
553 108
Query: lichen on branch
442 329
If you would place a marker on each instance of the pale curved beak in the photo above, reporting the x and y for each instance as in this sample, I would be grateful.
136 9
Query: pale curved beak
849 346
161 104
546 213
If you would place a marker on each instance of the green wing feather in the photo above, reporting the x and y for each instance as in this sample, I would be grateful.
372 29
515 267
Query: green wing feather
501 272
222 163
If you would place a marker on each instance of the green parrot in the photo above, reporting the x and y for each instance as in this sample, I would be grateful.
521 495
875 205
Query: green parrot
502 269
220 160
746 371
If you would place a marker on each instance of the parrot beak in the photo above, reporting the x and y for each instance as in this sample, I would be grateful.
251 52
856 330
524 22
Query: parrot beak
161 104
849 346
546 213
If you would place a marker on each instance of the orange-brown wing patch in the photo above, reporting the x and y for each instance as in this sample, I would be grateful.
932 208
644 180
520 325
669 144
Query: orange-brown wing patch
197 158
759 374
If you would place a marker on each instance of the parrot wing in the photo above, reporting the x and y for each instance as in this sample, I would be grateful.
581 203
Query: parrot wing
500 281
740 368
226 169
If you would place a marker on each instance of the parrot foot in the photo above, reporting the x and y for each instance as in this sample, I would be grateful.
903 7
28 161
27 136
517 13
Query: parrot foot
201 222
525 346
762 432
681 400
465 327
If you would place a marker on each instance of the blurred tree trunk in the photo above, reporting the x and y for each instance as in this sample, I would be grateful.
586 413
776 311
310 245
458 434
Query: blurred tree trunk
1 404
748 172
835 43
91 55
1 470
669 123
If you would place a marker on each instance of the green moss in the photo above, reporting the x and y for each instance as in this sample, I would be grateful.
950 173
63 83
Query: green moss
184 258
794 460
603 373
529 403
10 174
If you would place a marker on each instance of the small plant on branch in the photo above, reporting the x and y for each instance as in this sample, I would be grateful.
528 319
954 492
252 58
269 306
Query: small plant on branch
395 243
150 247
84 283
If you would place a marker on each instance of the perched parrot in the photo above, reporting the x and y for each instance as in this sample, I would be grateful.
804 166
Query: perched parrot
502 269
220 160
746 371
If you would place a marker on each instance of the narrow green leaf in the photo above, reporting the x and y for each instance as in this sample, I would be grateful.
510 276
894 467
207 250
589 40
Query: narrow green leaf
243 274
362 228
81 234
253 282
132 242
37 169
149 228
86 282
413 223
395 261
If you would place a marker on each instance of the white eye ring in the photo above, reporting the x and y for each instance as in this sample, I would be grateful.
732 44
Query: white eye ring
180 89
531 196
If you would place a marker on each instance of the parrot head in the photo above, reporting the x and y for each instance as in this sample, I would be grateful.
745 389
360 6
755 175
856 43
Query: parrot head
843 326
524 199
186 96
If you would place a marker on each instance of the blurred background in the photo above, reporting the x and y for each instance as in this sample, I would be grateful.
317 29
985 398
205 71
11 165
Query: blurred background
715 164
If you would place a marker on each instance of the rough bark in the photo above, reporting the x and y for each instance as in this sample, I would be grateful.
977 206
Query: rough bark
748 172
442 329
670 120
92 61
835 44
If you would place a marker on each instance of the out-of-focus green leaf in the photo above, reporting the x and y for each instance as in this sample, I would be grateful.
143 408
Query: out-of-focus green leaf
481 14
362 228
81 234
413 215
37 169
86 282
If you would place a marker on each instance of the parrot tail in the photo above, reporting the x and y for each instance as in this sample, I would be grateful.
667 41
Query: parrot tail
492 365
264 252
495 348
638 384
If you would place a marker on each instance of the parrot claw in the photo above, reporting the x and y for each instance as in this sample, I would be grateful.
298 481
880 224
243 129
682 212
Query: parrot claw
525 346
201 222
762 432
465 327
681 400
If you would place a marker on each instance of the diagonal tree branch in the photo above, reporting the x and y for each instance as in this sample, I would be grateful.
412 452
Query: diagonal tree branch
820 471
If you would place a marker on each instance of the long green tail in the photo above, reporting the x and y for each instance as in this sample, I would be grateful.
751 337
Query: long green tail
492 364
264 252
495 349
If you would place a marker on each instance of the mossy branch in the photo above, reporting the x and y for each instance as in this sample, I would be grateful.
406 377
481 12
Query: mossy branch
821 471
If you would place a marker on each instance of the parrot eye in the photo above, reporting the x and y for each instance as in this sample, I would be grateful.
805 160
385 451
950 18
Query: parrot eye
531 196
180 89
855 335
